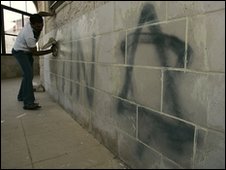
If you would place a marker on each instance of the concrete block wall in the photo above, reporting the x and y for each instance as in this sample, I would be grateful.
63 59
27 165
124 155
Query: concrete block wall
146 78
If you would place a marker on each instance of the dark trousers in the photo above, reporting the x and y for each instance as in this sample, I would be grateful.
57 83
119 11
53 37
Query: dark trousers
25 61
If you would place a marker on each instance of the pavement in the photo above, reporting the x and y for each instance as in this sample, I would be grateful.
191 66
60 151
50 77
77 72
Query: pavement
47 138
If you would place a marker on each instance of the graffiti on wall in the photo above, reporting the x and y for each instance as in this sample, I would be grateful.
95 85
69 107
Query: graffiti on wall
178 142
162 43
82 70
178 135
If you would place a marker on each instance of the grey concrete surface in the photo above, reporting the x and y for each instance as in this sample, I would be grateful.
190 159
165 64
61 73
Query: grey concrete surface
46 138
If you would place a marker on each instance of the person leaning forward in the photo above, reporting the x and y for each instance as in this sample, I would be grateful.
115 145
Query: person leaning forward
23 50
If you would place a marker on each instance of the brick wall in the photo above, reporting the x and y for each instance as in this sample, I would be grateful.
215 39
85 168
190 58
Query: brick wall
147 79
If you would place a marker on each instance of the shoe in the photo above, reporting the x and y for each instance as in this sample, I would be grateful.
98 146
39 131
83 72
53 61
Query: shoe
33 106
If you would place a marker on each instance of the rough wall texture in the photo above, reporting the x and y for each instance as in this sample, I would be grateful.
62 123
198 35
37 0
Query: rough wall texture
147 79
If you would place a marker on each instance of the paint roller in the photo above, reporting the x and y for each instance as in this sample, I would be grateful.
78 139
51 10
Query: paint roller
52 43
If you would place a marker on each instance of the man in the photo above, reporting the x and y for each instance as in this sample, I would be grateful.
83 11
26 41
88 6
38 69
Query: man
24 49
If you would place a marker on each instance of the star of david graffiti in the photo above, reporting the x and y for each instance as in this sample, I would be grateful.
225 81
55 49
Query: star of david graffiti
177 135
161 41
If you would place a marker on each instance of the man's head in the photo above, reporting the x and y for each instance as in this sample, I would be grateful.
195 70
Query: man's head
36 22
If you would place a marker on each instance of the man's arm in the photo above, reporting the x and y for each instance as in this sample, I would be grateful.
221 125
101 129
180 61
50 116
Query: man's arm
37 53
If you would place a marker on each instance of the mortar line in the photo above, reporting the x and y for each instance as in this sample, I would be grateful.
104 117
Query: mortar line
137 122
126 42
161 93
145 66
194 147
186 44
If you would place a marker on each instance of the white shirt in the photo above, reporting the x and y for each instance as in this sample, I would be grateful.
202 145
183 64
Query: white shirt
25 39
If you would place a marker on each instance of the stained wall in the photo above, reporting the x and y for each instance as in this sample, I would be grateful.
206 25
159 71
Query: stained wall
147 79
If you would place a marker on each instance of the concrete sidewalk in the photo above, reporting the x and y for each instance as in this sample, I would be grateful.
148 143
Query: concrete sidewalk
46 138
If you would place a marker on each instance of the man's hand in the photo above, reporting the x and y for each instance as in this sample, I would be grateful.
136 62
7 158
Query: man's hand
54 49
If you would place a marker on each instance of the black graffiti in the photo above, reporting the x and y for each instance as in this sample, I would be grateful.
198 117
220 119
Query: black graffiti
164 132
162 42
82 67
71 71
